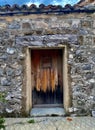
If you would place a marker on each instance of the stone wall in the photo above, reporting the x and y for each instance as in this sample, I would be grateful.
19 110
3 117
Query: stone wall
77 31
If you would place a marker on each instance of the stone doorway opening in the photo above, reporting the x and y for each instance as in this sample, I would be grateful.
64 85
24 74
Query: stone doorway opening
47 77
49 64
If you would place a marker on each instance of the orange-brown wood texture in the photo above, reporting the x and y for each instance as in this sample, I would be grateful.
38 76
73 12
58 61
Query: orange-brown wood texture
47 74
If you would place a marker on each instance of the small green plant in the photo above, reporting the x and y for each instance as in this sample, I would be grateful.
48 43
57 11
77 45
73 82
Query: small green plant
31 121
2 121
2 97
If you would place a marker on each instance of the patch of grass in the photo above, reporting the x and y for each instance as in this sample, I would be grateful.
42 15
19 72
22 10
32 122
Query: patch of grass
2 127
2 97
31 121
2 121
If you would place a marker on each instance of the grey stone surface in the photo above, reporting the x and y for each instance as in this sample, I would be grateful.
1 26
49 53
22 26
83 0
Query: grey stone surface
51 123
18 71
21 56
1 72
5 82
87 67
47 112
93 58
14 25
46 39
76 31
93 113
9 110
9 71
3 57
10 50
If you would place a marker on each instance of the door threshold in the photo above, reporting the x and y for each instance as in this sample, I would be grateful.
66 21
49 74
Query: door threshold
41 112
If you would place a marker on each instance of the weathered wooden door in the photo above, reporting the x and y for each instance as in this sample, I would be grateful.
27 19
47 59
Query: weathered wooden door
47 83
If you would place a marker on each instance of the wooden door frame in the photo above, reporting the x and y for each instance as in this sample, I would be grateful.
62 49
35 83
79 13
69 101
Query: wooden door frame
28 89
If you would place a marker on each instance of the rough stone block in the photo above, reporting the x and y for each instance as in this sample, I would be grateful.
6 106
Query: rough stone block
86 24
87 67
83 31
1 72
5 82
3 25
26 25
76 23
88 40
9 71
14 26
93 59
10 51
93 113
55 25
40 24
94 24
94 40
66 24
80 39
